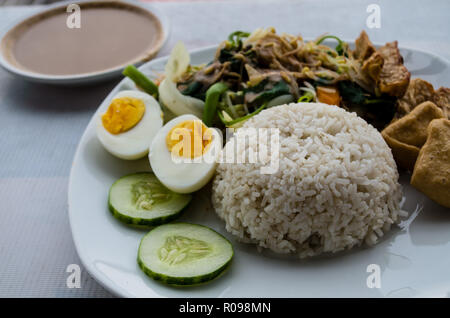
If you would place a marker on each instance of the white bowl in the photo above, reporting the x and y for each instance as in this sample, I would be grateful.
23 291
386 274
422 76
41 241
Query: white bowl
84 78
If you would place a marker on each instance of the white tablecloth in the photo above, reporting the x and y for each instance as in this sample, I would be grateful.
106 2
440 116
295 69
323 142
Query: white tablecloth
41 125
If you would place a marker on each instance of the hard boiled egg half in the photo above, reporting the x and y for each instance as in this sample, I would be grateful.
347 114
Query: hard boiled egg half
184 154
127 128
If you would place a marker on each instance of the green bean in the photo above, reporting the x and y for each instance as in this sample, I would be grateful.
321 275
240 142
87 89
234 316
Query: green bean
240 119
141 80
212 100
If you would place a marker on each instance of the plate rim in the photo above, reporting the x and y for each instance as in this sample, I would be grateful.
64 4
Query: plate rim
93 272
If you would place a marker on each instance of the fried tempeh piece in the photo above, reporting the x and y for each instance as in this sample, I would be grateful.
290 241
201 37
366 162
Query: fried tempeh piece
394 76
363 47
407 135
372 66
432 170
420 91
383 66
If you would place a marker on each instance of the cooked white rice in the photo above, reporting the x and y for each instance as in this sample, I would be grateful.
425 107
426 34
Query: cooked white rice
336 186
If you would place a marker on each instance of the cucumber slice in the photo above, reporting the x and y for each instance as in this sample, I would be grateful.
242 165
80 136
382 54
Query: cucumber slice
140 199
184 254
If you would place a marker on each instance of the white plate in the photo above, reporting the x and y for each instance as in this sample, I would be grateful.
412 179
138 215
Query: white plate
77 79
414 260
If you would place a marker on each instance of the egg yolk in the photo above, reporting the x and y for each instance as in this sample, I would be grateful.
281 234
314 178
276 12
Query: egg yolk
189 139
123 114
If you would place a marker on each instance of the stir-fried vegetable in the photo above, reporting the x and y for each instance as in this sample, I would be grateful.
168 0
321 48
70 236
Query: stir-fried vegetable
309 94
341 48
306 98
235 123
236 37
265 91
141 80
352 92
328 95
281 100
266 65
264 68
377 111
212 98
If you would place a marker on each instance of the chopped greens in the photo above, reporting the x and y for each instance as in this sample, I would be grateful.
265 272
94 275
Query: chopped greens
340 48
306 98
193 89
235 38
352 92
265 91
376 110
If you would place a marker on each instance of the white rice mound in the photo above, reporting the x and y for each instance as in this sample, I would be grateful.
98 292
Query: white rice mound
336 186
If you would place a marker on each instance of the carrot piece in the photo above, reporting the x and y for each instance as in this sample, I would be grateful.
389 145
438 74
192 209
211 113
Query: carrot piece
328 95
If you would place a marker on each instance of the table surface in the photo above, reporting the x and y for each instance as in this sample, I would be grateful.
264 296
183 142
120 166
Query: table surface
40 125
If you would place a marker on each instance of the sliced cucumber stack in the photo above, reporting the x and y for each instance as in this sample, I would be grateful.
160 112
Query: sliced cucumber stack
184 254
140 199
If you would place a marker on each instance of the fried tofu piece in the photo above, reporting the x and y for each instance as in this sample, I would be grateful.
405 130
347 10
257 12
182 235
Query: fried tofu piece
442 99
432 170
420 91
412 129
394 76
363 47
405 155
407 135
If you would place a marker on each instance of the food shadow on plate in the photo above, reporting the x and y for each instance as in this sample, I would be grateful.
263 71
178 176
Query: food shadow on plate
209 287
424 231
386 240
112 168
431 219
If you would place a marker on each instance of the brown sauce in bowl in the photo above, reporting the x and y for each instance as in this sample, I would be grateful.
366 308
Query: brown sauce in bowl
112 35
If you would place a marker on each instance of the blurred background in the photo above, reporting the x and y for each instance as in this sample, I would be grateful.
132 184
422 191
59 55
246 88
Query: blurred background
25 2
37 2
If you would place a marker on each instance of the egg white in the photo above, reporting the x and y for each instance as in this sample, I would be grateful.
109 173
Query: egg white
134 143
183 175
